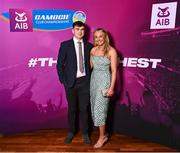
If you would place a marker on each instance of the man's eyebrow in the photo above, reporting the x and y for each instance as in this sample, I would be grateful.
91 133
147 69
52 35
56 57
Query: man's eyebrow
80 28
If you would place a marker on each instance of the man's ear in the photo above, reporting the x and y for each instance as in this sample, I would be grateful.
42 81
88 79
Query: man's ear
73 31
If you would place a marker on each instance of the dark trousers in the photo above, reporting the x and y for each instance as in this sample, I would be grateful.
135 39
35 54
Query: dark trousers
78 98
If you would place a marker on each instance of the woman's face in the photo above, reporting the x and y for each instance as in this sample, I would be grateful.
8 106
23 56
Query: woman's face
99 38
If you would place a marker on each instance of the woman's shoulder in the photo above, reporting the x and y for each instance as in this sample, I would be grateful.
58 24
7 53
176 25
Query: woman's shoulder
93 50
112 51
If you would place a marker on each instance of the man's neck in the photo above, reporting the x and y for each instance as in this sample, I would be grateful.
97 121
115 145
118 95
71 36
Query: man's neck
77 39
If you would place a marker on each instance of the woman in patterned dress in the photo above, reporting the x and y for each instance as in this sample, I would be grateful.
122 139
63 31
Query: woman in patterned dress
104 67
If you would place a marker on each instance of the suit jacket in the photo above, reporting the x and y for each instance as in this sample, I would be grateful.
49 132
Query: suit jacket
67 62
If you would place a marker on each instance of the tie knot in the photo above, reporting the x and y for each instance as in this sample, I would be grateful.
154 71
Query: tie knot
79 42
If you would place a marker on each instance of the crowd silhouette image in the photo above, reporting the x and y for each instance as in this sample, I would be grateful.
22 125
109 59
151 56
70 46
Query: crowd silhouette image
23 114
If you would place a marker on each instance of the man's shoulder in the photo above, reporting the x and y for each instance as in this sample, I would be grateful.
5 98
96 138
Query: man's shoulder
89 44
66 42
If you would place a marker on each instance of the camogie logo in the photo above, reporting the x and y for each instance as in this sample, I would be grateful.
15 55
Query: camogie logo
79 16
20 20
163 15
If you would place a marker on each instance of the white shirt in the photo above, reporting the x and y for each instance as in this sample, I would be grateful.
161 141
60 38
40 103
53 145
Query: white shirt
79 74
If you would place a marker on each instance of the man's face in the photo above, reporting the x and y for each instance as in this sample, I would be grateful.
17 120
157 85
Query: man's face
78 32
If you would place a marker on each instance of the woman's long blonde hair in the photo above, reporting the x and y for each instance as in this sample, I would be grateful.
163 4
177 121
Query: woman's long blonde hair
107 44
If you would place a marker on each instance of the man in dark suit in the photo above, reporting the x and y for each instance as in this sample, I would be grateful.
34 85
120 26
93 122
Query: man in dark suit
73 67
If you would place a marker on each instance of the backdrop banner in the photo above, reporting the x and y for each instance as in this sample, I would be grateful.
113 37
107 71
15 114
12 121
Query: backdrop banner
146 35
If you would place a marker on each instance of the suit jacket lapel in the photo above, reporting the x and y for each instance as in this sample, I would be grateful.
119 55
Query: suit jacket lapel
85 52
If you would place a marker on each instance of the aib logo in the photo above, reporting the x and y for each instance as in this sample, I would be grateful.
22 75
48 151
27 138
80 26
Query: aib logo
163 15
20 20
163 12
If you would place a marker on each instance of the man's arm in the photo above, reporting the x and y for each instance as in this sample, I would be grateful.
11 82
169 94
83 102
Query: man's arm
61 63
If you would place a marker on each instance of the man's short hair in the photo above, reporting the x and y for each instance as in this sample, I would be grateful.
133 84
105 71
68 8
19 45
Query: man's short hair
79 24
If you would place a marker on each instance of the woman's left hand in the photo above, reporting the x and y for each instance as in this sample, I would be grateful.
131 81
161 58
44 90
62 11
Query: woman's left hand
110 92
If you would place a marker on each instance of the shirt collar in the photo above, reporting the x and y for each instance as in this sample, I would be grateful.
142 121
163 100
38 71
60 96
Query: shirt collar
76 40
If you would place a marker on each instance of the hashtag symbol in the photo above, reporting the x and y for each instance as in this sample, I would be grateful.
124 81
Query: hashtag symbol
32 62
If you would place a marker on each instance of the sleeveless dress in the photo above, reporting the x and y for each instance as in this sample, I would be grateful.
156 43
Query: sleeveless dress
100 80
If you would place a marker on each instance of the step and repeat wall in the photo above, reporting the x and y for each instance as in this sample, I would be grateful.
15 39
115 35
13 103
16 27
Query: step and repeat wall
146 35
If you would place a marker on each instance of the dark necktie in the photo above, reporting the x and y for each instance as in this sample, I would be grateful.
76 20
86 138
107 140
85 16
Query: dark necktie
81 65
